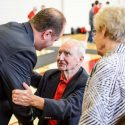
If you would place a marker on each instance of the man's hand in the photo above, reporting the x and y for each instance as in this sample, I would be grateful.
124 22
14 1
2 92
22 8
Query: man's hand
27 98
23 97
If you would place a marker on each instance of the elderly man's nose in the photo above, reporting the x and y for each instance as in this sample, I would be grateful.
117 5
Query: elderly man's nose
61 56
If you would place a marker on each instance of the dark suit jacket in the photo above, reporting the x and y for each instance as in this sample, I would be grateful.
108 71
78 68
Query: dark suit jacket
68 109
17 59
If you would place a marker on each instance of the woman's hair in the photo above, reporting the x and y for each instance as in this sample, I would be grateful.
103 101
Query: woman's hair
49 18
113 19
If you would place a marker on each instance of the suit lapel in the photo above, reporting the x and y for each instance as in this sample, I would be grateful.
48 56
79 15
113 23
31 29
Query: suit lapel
72 84
51 86
53 82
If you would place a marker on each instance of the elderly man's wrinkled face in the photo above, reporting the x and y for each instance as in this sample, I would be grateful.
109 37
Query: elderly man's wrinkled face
68 58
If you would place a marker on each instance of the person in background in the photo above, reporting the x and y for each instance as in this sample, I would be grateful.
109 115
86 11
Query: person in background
107 3
32 13
18 45
104 98
91 16
43 7
58 99
96 7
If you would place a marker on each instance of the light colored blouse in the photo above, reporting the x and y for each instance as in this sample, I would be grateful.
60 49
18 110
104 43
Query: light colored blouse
104 99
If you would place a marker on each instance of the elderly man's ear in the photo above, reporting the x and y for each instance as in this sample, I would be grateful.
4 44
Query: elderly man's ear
81 58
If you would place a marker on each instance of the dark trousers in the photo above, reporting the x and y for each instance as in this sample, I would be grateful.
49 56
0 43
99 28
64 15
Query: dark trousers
90 35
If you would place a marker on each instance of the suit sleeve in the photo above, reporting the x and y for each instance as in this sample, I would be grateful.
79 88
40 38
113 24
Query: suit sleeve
65 108
14 71
35 79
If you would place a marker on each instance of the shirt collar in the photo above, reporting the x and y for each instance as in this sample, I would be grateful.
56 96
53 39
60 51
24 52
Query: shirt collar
62 79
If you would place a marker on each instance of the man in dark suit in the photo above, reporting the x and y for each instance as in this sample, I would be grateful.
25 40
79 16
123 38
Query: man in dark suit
60 91
18 42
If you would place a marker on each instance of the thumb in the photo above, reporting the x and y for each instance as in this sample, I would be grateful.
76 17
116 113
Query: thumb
26 86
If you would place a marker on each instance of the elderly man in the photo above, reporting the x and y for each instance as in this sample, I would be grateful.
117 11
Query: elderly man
104 100
58 99
18 45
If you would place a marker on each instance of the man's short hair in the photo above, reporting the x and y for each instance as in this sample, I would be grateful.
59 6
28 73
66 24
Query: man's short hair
49 18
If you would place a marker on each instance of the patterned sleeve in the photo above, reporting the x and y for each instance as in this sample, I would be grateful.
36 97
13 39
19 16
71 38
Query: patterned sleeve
99 99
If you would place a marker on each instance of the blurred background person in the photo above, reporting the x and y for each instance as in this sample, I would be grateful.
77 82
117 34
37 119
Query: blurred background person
32 13
107 2
91 16
96 7
43 6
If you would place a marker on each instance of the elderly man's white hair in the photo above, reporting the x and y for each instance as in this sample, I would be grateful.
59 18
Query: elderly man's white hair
81 46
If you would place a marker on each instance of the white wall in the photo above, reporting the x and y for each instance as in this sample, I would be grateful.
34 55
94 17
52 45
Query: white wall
76 11
17 10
